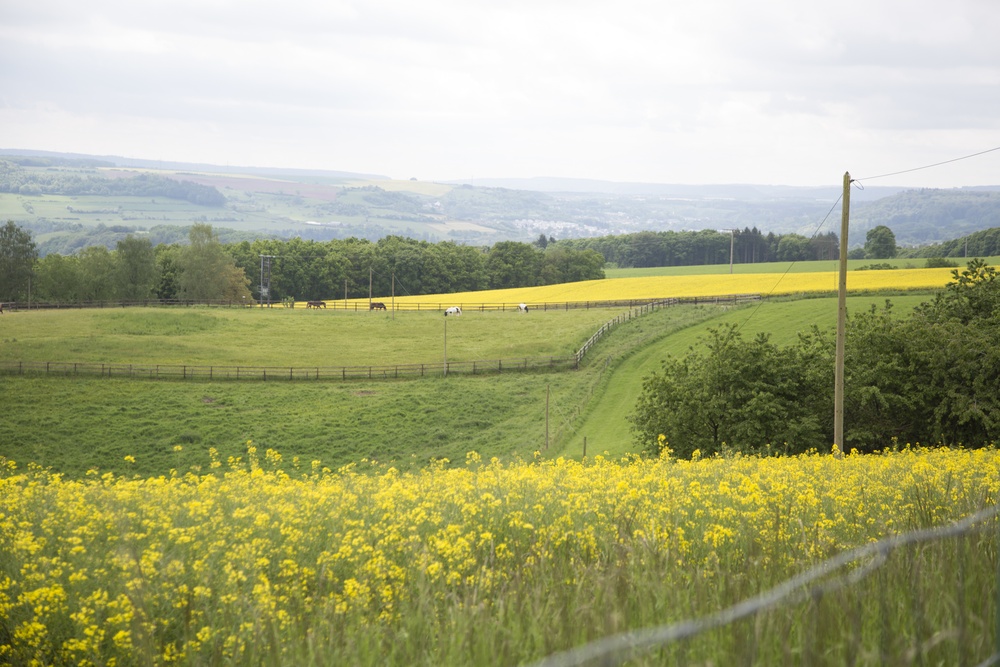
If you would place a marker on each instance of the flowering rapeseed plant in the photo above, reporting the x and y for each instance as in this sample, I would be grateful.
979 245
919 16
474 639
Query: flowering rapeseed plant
251 564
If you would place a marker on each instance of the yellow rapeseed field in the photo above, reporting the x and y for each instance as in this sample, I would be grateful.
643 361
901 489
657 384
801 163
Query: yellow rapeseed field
269 562
655 287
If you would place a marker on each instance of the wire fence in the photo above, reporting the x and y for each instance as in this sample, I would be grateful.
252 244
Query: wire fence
951 617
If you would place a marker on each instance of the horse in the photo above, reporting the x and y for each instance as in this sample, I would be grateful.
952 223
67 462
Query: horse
315 304
454 310
522 307
376 305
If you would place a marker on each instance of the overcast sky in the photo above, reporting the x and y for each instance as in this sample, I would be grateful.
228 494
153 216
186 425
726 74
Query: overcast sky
791 92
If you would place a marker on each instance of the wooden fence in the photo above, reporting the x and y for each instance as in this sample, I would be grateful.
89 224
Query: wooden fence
278 373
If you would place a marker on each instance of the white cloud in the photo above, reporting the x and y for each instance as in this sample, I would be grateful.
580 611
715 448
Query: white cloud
713 91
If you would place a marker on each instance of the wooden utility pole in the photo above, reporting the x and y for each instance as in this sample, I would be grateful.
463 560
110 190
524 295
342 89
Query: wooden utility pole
393 295
446 347
369 288
838 390
732 238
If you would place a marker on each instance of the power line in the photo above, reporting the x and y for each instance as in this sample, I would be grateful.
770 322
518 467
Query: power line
790 265
936 164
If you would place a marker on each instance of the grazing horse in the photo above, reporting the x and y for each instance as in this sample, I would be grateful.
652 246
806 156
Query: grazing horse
315 304
454 310
376 305
522 307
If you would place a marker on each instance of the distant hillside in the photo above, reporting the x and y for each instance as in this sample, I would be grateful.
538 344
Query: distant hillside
72 200
922 217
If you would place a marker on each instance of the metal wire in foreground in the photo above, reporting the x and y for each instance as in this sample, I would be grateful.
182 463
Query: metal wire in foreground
618 648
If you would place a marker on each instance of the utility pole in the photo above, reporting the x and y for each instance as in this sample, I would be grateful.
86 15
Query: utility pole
369 288
446 347
732 238
838 390
265 279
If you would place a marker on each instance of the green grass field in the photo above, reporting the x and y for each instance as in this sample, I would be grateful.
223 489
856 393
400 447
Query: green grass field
78 423
777 267
289 337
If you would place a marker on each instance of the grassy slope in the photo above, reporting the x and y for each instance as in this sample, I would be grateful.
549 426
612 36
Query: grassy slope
73 424
605 424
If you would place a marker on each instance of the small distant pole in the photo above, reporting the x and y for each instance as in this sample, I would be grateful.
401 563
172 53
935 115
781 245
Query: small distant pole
445 347
584 446
548 393
394 295
369 288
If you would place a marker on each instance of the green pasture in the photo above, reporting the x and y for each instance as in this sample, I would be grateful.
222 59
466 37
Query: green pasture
290 337
776 267
77 423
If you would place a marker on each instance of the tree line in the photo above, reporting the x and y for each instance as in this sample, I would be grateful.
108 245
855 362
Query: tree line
207 269
930 377
688 248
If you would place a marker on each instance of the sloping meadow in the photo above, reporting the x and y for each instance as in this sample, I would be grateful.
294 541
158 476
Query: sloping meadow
283 562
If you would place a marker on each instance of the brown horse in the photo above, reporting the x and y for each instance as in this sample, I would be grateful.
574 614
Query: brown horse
315 304
376 305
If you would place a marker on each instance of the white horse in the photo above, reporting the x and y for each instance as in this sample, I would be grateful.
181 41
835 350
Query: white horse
522 307
454 310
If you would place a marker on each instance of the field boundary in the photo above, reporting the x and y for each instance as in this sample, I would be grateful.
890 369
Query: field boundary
357 372
286 373
361 305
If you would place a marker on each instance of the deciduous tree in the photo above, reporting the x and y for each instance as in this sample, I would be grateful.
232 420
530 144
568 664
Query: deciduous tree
17 258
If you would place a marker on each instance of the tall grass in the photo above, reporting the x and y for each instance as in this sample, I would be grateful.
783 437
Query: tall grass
268 561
